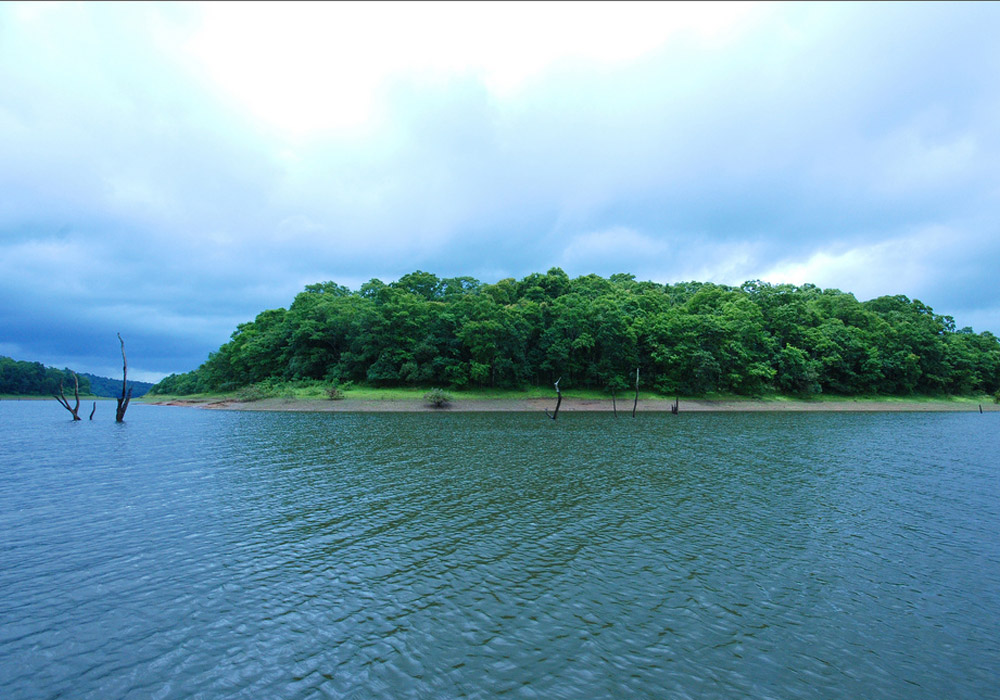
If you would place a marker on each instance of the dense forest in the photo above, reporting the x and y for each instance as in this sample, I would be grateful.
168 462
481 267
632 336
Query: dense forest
35 379
689 338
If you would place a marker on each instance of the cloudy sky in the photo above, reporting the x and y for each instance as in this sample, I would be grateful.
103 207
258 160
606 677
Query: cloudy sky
168 171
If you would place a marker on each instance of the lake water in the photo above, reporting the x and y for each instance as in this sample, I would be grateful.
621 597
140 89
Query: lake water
192 553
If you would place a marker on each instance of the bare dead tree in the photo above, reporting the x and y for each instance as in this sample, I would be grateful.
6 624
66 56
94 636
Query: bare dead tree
676 405
76 393
93 411
614 405
636 403
555 414
126 395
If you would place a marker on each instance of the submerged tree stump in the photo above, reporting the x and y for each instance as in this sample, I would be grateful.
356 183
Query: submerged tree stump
555 414
635 404
126 396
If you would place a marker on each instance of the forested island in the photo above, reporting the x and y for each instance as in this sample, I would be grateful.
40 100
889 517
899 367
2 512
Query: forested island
689 338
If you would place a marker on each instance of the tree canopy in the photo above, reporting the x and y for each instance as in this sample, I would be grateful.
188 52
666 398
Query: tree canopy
688 338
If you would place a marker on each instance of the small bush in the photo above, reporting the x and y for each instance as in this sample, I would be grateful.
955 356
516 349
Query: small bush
996 397
334 393
258 391
437 398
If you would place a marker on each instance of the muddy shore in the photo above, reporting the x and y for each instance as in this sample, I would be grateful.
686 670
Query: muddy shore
570 405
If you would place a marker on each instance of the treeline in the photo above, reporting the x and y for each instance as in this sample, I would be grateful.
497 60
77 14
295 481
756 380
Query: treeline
35 379
689 338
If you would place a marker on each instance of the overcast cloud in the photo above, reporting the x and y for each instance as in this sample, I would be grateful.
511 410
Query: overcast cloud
169 171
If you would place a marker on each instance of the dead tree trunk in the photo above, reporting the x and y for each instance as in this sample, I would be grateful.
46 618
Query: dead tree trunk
76 393
126 395
676 406
93 411
614 406
555 414
635 404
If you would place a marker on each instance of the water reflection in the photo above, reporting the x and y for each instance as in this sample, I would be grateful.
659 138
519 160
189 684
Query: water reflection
449 555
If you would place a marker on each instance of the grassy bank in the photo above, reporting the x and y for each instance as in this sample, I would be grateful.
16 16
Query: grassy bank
317 396
319 390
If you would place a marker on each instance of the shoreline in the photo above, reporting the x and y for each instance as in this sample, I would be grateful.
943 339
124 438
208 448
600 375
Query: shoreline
575 405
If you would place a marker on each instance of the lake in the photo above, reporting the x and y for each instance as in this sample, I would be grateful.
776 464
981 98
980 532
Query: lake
195 553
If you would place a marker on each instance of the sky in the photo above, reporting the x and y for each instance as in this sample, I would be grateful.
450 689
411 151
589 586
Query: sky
168 171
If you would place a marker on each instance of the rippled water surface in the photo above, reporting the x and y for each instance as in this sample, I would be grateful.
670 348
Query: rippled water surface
192 553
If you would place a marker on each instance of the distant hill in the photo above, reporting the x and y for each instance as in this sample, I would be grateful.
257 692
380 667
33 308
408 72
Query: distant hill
103 386
35 379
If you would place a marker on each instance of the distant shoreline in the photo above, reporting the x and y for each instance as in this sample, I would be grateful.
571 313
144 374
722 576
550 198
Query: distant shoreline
575 405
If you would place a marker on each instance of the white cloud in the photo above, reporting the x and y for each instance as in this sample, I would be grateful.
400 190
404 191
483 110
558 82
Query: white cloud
723 263
200 160
151 319
56 261
978 319
912 162
307 67
899 265
663 258
613 248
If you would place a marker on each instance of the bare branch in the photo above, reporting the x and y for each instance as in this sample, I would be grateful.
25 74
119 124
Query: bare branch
62 397
124 363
